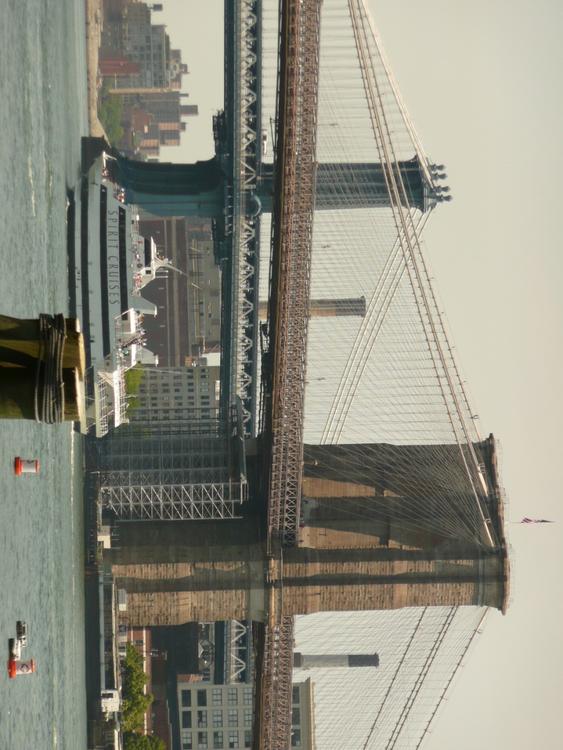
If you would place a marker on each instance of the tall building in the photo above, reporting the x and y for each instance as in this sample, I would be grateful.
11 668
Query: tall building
218 717
164 111
136 57
128 29
178 394
217 711
146 44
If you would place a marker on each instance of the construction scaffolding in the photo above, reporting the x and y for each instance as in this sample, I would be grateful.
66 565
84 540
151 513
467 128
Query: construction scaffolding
172 471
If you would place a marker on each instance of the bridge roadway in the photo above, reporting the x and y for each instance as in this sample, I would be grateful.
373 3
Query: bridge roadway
284 364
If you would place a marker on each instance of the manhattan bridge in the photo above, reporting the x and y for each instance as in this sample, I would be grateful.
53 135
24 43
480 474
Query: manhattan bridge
343 500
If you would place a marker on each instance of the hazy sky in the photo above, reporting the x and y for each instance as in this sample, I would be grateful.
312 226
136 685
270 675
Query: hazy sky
483 83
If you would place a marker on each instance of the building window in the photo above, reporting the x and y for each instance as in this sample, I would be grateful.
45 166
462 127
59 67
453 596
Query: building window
232 696
295 738
247 696
233 740
187 742
233 717
186 698
202 697
295 716
248 738
201 719
217 696
248 717
217 740
201 740
295 695
186 719
217 718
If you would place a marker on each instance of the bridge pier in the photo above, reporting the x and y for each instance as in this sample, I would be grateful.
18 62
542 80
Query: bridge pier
175 580
374 537
177 572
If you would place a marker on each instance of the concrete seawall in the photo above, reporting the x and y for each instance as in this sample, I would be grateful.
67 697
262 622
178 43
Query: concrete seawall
94 23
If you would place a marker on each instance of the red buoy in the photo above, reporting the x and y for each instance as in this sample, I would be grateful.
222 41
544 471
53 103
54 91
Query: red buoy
25 466
17 667
12 667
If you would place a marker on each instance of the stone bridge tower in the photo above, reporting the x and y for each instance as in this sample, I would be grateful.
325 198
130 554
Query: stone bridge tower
379 532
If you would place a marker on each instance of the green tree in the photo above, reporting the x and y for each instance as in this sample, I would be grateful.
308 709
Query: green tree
135 741
135 702
110 112
133 380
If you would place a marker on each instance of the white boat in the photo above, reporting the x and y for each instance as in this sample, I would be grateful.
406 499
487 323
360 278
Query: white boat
16 665
112 263
21 633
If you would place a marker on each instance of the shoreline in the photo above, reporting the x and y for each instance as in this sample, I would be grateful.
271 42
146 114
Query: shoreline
93 30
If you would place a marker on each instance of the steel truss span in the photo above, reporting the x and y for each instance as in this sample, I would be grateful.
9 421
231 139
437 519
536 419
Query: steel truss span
288 321
291 263
174 471
235 665
173 502
244 227
275 699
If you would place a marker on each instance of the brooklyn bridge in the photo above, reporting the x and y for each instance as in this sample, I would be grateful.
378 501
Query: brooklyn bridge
344 472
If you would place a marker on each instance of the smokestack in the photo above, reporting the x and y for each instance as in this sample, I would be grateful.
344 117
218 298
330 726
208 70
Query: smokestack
328 308
334 661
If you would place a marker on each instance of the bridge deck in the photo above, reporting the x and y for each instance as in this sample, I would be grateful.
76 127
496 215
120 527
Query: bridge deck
288 317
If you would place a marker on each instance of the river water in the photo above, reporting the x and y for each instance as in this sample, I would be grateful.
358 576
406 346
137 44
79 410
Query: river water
43 115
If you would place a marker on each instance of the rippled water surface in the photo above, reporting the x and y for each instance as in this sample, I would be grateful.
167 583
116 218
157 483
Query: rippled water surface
42 117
